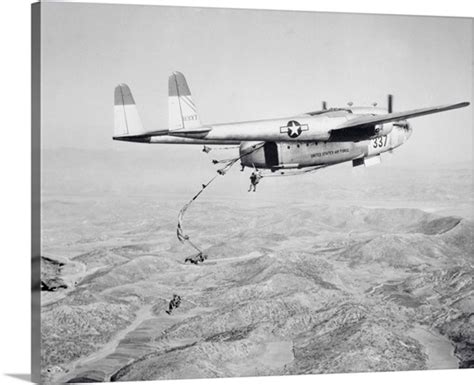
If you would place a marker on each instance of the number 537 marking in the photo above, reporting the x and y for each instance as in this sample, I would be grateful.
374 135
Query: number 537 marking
381 141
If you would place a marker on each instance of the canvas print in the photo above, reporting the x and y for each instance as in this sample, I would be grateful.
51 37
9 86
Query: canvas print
224 193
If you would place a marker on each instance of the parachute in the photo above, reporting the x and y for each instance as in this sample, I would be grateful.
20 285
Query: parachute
181 235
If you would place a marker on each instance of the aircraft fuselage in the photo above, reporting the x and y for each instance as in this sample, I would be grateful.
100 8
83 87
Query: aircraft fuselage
283 155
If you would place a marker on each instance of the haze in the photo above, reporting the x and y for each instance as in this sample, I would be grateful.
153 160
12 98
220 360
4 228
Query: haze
244 65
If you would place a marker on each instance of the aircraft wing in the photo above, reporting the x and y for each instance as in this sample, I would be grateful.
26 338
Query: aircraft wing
368 121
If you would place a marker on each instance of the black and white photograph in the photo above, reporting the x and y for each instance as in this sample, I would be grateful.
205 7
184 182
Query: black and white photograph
242 192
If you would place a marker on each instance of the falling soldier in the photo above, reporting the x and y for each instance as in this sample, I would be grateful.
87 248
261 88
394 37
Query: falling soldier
195 259
254 179
174 303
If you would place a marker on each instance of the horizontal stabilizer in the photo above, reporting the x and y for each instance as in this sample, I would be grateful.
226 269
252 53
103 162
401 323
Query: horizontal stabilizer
197 132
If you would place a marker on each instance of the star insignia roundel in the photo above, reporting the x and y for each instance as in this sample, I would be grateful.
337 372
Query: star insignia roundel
294 129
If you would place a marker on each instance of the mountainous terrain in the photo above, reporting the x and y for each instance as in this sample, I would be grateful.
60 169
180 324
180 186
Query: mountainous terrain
344 270
286 290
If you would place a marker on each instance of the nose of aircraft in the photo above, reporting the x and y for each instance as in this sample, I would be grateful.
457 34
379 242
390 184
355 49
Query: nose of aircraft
408 131
403 131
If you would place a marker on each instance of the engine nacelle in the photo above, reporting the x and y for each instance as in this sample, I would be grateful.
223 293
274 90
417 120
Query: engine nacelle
383 129
356 134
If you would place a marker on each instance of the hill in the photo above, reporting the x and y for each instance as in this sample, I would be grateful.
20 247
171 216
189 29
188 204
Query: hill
287 289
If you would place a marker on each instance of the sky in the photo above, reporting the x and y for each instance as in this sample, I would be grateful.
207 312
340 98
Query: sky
245 65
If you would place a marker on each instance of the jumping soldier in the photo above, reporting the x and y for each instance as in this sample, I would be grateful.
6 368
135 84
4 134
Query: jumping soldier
174 303
254 179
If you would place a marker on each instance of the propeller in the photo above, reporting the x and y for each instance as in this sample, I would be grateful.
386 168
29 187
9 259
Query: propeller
390 103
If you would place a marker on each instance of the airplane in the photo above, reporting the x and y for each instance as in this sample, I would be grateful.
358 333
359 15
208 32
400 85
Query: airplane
306 141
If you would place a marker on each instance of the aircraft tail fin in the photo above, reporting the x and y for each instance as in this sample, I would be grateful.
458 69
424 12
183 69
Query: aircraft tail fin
127 119
182 112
